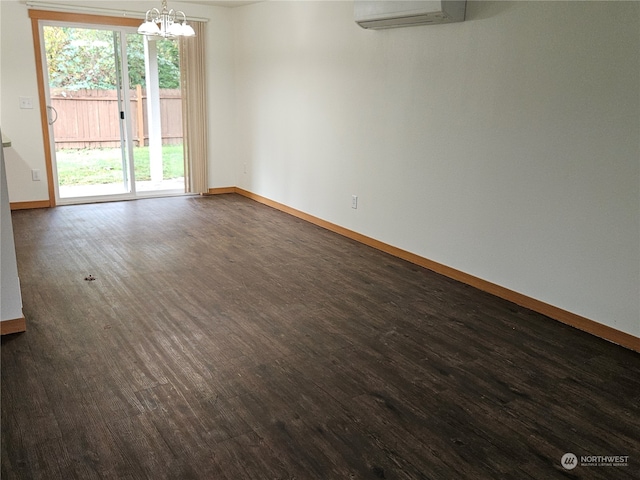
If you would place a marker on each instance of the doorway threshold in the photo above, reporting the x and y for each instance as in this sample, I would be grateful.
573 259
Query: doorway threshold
71 194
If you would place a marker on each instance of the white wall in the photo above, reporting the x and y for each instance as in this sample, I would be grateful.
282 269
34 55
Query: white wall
18 78
10 295
506 146
18 71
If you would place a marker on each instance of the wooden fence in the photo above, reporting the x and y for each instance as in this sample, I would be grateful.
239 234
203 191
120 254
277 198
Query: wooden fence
90 118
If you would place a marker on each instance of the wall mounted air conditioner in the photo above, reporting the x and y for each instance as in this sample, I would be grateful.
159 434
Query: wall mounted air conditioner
390 14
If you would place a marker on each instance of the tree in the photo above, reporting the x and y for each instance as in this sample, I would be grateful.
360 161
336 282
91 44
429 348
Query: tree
168 62
80 58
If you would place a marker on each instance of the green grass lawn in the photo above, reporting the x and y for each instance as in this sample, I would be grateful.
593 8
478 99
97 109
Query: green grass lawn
104 165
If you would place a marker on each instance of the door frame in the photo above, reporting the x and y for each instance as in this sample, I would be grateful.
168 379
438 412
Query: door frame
76 18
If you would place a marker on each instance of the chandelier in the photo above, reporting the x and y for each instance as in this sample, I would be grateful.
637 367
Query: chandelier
168 26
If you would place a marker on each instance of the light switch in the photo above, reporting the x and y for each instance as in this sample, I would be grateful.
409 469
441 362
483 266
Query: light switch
26 102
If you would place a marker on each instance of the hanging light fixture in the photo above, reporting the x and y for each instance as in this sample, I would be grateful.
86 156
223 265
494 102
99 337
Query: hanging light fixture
164 24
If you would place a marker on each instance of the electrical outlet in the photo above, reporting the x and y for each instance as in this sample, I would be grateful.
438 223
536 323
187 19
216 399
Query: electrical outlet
26 102
354 201
35 175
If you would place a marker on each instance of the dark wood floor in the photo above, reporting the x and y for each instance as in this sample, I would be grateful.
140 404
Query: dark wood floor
222 339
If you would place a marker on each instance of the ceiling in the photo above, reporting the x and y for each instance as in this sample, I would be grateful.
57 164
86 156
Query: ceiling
220 3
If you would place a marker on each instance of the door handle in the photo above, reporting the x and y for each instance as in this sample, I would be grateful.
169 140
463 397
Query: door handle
51 109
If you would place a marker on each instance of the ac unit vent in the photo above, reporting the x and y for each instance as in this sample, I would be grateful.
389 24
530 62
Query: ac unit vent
391 14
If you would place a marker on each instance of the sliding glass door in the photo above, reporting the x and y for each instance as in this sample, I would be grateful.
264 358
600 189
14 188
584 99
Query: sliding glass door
105 113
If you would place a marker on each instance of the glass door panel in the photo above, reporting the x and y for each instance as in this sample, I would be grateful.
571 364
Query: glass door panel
86 111
156 110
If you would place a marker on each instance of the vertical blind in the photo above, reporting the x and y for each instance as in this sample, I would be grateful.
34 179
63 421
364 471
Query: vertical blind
194 109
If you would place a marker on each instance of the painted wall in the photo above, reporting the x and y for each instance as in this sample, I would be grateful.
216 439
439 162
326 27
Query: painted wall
22 126
10 295
507 146
18 78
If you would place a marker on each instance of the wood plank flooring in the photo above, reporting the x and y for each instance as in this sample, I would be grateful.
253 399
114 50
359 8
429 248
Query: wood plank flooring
223 339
